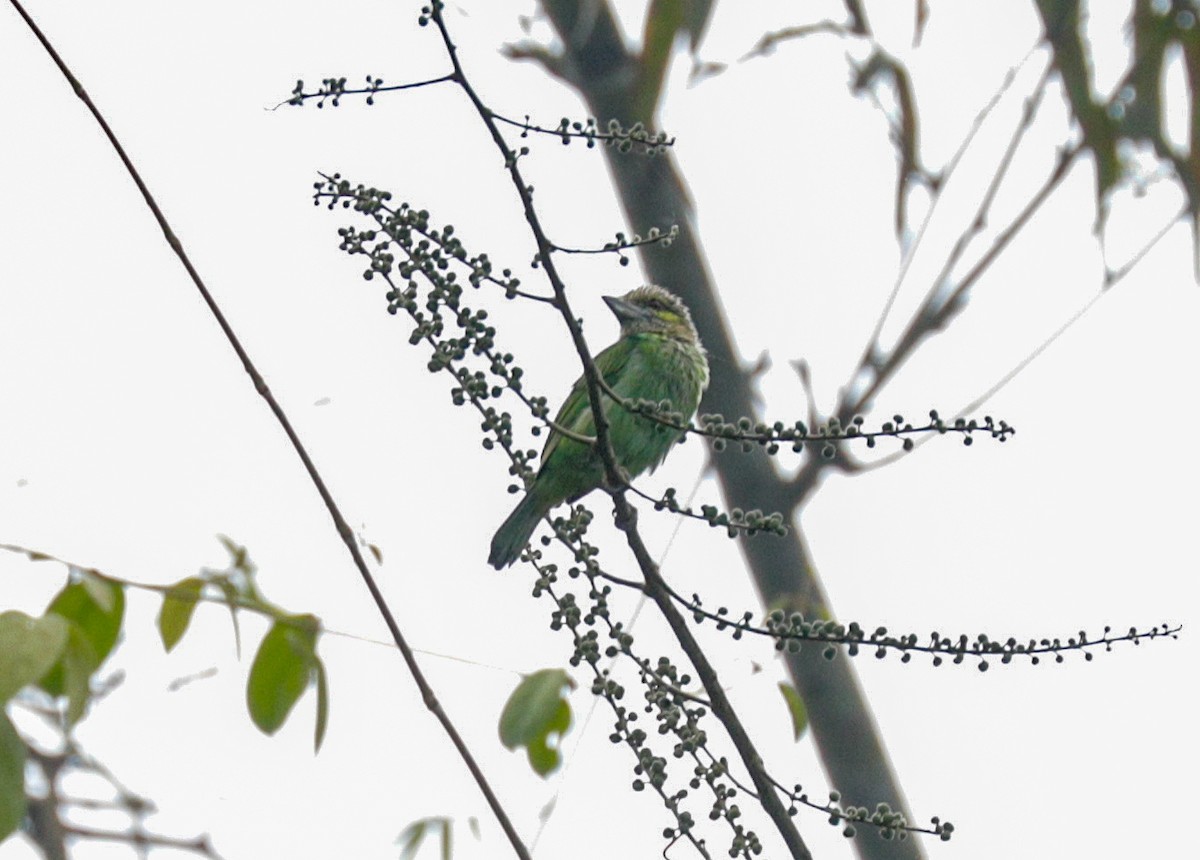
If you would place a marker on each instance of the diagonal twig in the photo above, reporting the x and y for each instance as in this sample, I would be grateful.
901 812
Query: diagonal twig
343 528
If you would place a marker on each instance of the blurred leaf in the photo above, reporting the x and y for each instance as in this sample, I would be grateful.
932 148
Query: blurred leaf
282 670
100 590
322 702
535 711
795 706
97 605
239 558
12 777
71 675
177 607
84 603
544 758
412 837
29 647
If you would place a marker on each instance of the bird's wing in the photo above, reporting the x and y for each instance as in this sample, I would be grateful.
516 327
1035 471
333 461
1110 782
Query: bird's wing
576 412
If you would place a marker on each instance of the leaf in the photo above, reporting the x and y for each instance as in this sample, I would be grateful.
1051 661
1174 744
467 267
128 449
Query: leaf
99 589
536 711
282 670
796 708
29 648
322 702
415 834
71 675
544 758
12 777
96 607
239 558
177 607
411 839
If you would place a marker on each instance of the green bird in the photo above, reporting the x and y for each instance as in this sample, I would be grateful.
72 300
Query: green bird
658 357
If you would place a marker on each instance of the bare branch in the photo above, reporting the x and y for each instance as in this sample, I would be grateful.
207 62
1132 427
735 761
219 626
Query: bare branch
260 385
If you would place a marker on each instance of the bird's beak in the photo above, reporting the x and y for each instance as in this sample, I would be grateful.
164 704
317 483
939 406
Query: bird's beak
625 311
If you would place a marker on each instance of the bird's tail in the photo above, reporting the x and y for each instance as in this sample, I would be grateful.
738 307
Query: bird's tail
514 532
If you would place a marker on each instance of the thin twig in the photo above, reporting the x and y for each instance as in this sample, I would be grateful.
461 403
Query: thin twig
334 88
1111 279
936 308
625 513
871 348
260 385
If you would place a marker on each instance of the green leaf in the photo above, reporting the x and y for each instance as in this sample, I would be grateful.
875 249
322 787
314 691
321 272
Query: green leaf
100 590
177 607
411 838
322 702
239 558
94 606
796 708
12 777
71 675
97 607
282 670
29 647
536 714
544 758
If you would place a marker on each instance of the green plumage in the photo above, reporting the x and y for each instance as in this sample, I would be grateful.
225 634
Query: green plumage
658 357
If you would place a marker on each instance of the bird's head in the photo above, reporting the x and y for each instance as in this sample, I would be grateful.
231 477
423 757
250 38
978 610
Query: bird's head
653 310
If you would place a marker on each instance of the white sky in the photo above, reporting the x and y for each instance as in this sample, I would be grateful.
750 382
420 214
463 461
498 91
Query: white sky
129 436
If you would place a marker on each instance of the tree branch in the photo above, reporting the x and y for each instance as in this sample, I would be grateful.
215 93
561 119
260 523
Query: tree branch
653 192
260 385
625 513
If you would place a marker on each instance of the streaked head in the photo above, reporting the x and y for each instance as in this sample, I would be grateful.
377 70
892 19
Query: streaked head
653 310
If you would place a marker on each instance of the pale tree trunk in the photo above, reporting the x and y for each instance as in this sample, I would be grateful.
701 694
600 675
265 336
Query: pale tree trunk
653 194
